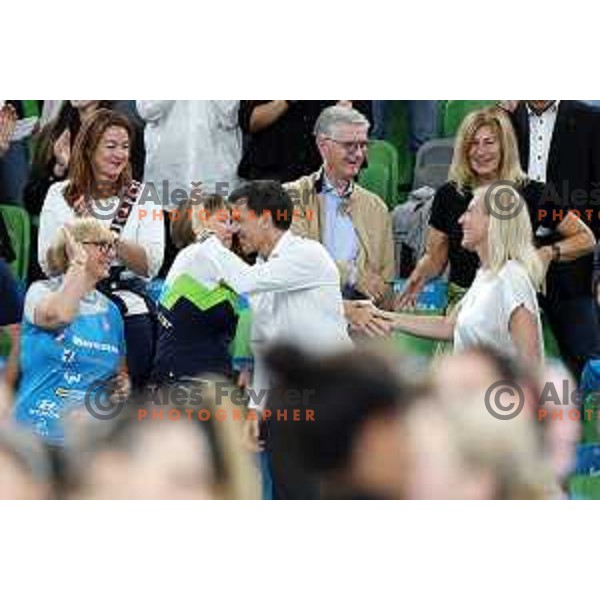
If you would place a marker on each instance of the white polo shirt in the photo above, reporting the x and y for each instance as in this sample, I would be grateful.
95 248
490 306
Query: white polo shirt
295 298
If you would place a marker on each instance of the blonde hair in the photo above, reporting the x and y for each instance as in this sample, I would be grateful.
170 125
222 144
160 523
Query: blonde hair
82 229
509 169
510 235
508 450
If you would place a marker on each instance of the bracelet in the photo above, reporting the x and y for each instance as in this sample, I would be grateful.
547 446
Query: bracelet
77 262
204 235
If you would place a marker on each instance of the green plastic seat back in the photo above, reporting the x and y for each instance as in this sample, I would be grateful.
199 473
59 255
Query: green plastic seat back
18 226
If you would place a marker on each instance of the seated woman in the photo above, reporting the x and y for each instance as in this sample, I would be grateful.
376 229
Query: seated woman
100 185
200 319
72 335
500 309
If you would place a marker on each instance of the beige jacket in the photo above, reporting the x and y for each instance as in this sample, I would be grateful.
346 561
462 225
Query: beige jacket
370 218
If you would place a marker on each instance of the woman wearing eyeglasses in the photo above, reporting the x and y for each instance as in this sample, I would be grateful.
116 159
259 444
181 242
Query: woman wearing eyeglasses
72 340
99 179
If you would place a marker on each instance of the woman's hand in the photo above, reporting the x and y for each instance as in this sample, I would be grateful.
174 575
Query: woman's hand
8 122
121 387
408 297
76 253
62 150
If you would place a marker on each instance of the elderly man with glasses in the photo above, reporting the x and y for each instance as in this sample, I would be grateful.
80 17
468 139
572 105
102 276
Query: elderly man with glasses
351 222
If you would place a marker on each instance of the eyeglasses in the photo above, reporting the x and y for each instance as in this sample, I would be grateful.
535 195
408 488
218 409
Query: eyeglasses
351 147
102 246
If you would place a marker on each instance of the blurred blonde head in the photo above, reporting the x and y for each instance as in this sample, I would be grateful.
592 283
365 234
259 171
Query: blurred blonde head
178 456
507 452
460 451
461 171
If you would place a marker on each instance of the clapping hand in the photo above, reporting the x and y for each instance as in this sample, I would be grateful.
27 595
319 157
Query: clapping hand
62 150
8 122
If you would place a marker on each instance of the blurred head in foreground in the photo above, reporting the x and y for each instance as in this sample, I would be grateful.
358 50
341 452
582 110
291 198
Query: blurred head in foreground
25 470
163 450
458 450
355 446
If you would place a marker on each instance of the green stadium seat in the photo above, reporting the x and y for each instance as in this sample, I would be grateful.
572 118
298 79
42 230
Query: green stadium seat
584 487
550 344
376 179
18 225
397 134
454 111
381 176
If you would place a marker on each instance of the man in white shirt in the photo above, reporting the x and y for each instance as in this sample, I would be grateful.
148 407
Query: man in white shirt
294 288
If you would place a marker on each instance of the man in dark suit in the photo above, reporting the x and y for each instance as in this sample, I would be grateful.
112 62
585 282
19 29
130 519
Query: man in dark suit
559 144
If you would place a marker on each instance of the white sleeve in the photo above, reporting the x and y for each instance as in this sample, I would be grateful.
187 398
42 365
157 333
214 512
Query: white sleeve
153 110
151 236
294 271
227 111
35 293
518 291
51 220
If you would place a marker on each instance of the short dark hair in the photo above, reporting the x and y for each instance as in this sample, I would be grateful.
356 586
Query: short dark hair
346 390
266 197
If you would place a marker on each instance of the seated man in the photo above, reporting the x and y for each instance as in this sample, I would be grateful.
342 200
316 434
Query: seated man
352 223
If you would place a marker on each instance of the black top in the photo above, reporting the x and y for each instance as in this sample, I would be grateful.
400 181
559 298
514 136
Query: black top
448 206
286 150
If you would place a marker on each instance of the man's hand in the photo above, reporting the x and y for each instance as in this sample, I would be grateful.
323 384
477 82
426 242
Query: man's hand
250 433
244 379
365 318
374 285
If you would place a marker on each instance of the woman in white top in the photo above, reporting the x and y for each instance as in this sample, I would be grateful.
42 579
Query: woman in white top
500 309
99 181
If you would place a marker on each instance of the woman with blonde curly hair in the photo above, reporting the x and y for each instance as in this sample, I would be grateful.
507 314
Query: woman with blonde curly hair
485 153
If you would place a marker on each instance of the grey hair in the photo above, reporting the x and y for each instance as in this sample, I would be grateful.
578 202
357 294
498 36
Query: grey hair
338 115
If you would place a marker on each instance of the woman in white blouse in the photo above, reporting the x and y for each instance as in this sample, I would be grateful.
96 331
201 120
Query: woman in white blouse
99 180
500 309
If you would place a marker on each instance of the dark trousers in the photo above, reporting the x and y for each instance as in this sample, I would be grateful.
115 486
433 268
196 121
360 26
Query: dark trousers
140 341
576 327
289 477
